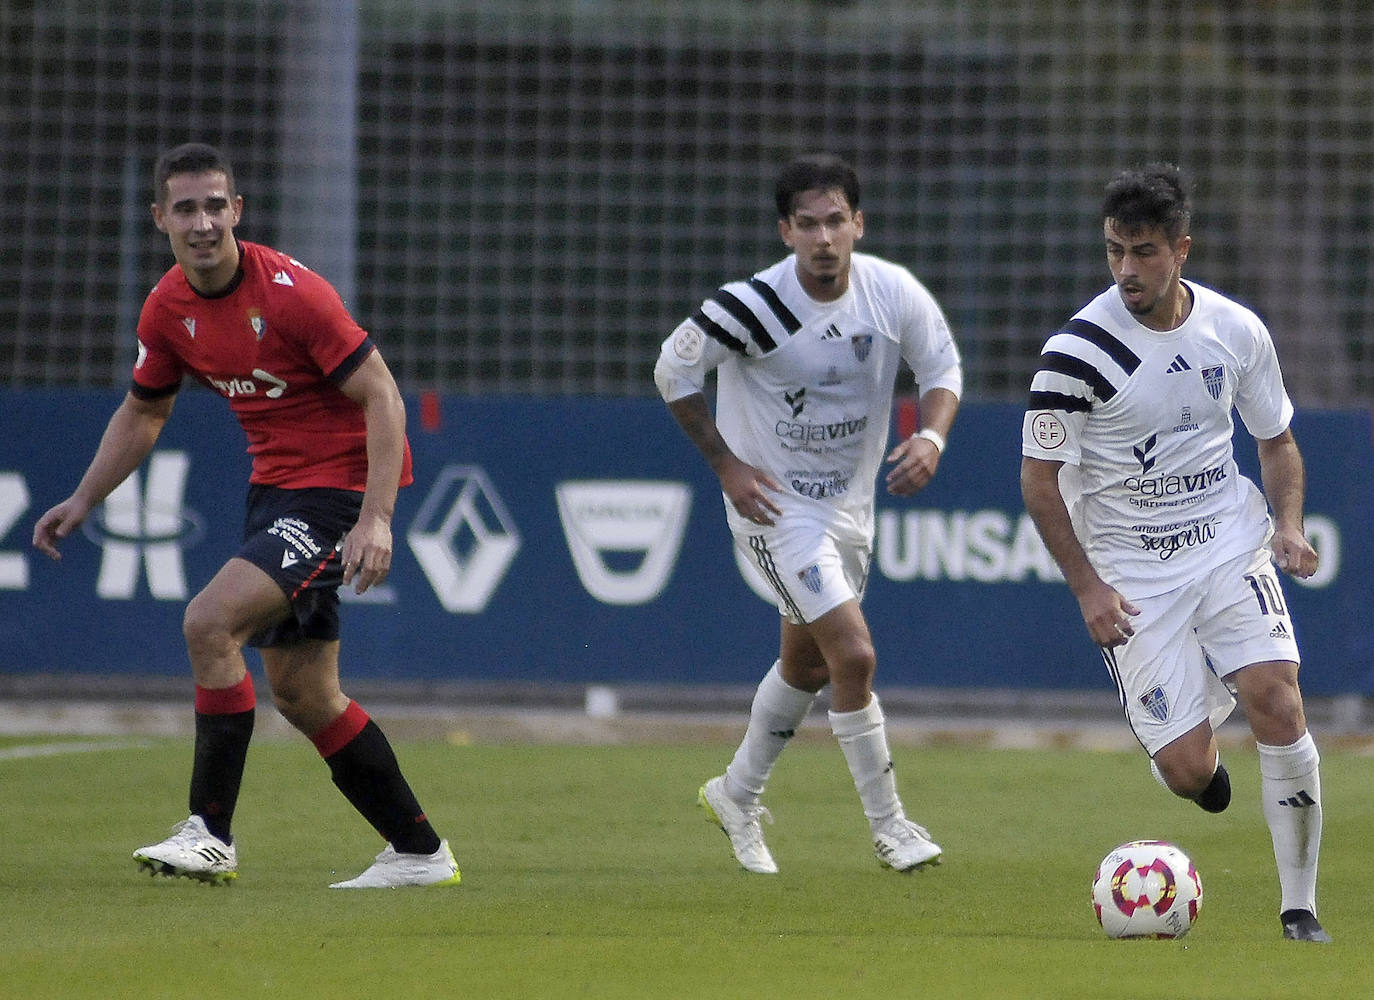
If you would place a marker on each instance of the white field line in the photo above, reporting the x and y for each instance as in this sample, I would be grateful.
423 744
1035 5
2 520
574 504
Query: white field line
25 751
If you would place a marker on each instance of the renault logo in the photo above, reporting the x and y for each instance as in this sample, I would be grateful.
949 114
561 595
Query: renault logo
464 539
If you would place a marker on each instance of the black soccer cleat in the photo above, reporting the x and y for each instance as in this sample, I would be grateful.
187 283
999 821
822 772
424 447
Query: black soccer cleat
1301 925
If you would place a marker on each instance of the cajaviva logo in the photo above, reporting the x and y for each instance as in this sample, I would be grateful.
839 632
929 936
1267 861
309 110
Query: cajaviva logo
623 534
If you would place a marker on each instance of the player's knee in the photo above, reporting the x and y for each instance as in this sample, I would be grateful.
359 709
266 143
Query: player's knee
308 707
808 678
1275 711
203 627
1186 777
856 663
297 708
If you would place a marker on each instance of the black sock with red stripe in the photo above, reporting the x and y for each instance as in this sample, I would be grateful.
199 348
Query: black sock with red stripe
365 769
224 727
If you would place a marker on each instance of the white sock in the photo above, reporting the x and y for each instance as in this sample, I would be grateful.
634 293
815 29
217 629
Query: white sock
1290 784
863 738
778 710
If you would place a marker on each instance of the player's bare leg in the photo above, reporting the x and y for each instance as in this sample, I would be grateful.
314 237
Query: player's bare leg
305 687
842 639
238 601
781 703
1191 768
1290 787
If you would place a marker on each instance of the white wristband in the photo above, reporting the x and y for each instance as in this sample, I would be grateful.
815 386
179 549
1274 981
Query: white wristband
934 437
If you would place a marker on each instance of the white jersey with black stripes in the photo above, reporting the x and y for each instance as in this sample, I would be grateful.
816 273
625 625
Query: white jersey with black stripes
1142 421
804 388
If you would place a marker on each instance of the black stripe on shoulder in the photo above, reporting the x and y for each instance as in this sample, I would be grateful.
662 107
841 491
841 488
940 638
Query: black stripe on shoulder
1103 340
1057 401
746 318
790 322
717 332
1077 368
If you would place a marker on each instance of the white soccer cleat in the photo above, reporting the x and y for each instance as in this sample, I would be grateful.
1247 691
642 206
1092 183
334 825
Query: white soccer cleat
191 851
903 845
394 870
741 825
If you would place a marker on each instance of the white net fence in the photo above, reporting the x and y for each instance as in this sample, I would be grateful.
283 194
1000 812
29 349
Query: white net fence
525 197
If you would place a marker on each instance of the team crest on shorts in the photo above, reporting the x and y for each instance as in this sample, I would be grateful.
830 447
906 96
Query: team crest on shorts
1156 703
811 578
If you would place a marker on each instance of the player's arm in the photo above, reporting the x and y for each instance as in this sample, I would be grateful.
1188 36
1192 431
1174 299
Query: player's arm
1285 486
129 436
1105 611
746 487
916 459
680 375
367 547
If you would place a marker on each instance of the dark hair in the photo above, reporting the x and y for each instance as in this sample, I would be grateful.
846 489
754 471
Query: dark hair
816 171
190 158
1155 195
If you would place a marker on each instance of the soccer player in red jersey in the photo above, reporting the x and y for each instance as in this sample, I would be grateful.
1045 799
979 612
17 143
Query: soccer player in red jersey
326 429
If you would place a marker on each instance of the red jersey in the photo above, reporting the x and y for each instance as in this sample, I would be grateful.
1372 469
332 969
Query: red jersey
277 343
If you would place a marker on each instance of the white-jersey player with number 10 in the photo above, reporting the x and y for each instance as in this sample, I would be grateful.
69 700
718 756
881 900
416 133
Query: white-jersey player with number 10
1129 473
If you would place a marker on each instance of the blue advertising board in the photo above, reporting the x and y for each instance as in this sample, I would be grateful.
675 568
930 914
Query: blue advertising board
583 541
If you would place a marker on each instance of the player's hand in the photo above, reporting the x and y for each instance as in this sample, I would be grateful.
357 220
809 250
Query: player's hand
1107 615
916 460
366 554
1293 553
748 489
59 522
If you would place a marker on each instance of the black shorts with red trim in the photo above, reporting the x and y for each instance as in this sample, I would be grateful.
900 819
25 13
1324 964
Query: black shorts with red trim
294 537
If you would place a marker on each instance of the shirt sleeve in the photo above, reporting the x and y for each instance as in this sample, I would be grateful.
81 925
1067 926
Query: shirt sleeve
1261 399
684 361
329 334
158 369
928 345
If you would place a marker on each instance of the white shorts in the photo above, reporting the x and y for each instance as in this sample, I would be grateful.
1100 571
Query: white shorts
811 566
1170 675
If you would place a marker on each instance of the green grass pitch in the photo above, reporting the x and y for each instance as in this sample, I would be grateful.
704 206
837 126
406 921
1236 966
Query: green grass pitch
588 872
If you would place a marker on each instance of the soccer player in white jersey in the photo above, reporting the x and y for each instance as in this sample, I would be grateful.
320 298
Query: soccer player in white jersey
806 354
1129 473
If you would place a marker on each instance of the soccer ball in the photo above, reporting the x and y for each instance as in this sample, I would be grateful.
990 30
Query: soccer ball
1146 889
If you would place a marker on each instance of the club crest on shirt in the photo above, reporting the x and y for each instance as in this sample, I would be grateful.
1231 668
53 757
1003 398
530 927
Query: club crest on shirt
1213 378
811 579
1156 703
862 344
256 321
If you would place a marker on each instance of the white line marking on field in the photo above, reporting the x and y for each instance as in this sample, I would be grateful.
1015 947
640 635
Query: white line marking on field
24 752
